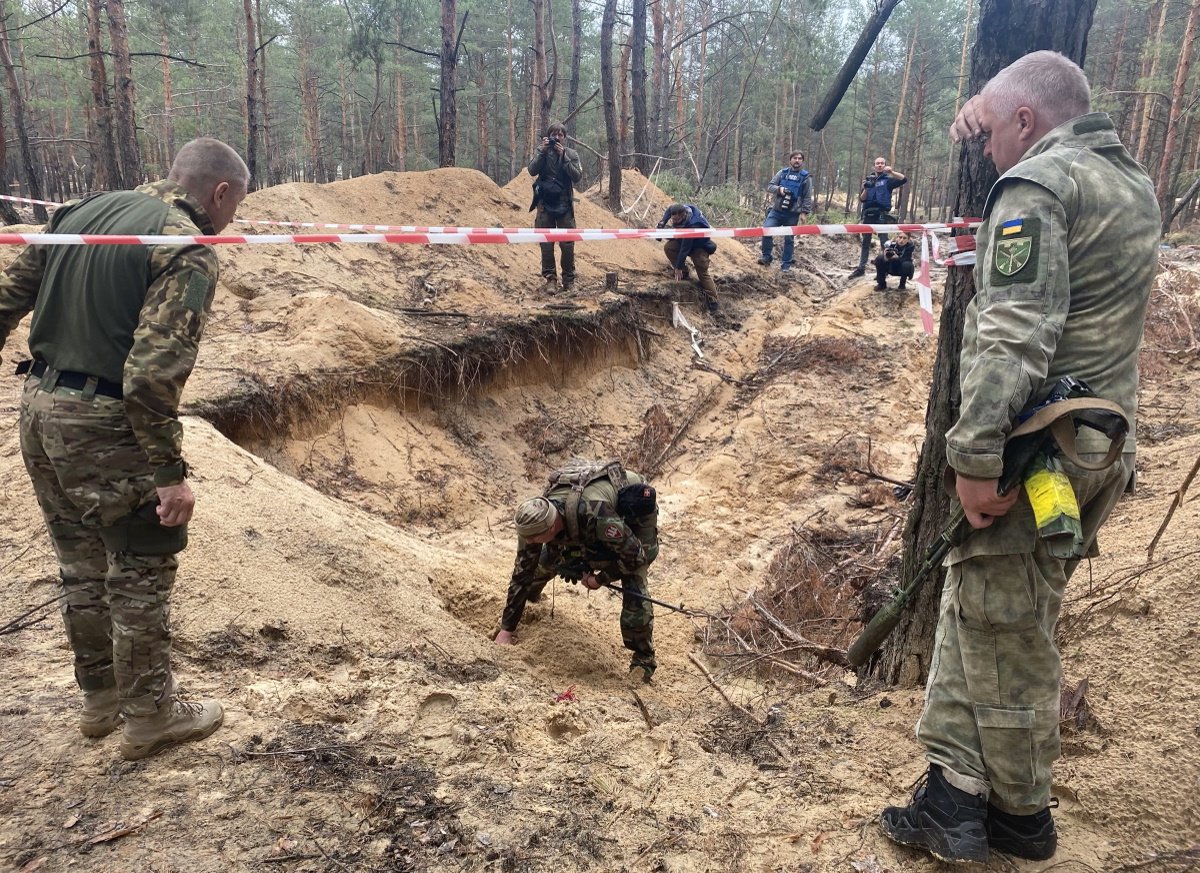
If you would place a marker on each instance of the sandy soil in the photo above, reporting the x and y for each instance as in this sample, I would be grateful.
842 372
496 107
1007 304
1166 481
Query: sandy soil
357 452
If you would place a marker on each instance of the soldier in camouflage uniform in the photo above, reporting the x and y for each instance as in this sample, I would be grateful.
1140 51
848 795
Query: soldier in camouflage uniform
614 534
1066 257
113 337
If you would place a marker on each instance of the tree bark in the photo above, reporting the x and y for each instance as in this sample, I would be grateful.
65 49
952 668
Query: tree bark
576 45
107 174
512 106
128 153
29 163
448 111
7 214
1164 182
274 172
251 94
1006 32
168 97
608 93
853 61
637 55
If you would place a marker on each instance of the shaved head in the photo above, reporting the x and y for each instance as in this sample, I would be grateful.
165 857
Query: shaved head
204 163
1049 83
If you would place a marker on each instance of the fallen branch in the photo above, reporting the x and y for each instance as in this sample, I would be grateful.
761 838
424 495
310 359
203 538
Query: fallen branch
825 653
737 707
1175 504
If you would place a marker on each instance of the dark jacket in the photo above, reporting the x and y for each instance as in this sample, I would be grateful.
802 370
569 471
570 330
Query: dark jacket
798 184
879 188
695 219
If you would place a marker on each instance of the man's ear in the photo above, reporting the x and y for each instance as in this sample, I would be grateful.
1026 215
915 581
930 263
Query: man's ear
1026 120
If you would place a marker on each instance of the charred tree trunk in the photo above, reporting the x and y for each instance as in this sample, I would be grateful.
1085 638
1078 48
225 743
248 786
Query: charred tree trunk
104 150
608 94
1006 32
29 164
128 152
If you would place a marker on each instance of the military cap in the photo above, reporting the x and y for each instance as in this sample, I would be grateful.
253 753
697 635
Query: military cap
535 517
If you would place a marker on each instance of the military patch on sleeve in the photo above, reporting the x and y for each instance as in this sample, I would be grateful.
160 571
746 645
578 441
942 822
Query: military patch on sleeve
613 532
195 295
1014 254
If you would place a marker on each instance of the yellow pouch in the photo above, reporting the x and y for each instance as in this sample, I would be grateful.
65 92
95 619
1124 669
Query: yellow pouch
1055 509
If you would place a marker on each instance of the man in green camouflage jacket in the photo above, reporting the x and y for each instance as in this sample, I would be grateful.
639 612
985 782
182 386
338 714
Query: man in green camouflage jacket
608 527
113 337
1066 257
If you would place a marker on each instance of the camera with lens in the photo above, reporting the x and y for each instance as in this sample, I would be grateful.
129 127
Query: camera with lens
889 249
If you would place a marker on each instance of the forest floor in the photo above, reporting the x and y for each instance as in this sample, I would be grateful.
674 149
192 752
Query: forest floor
361 423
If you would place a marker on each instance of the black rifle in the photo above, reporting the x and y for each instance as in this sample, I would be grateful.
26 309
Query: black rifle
1018 453
621 589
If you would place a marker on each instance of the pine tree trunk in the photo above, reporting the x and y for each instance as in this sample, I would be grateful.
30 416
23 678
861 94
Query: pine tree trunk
701 60
7 214
104 153
576 44
608 95
168 98
16 98
274 173
128 153
658 75
508 85
251 94
1149 103
1006 32
448 122
539 65
637 56
908 62
1164 182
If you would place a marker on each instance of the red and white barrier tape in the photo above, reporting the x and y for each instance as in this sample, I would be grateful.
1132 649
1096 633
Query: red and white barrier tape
486 236
28 200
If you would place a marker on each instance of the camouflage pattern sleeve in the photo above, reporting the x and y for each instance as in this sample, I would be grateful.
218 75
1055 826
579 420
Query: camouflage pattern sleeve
1013 324
519 585
183 282
608 531
19 286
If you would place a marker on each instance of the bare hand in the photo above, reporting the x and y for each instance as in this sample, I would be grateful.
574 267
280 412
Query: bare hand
504 638
967 124
679 275
175 503
981 504
887 170
590 581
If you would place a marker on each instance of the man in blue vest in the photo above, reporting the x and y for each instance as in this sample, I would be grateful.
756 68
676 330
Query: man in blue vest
875 201
791 190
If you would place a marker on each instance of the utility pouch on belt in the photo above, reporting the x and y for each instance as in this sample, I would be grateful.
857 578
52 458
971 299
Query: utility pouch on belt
140 533
1055 509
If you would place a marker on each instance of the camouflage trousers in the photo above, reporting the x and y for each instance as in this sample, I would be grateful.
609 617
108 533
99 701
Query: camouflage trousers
117 565
992 703
637 615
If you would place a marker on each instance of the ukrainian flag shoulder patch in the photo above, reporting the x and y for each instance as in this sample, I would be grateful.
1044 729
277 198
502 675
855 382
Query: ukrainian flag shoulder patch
1013 225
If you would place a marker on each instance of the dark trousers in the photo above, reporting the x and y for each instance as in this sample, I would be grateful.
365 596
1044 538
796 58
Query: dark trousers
885 267
542 219
870 218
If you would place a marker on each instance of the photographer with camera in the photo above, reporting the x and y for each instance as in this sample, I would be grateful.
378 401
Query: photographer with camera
896 260
792 196
555 169
875 203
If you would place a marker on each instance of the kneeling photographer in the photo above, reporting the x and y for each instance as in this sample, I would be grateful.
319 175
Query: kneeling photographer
896 260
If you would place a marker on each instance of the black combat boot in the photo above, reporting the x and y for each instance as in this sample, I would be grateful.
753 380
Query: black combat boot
1023 836
946 822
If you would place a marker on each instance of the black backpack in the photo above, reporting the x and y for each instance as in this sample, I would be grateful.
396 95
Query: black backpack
553 195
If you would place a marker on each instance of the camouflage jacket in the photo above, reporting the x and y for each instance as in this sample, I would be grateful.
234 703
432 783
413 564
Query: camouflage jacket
181 282
621 547
1066 257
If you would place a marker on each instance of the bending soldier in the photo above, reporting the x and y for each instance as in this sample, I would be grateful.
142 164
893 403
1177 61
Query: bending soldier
595 521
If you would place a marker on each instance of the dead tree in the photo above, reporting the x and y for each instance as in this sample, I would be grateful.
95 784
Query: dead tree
610 105
129 154
106 172
853 61
637 60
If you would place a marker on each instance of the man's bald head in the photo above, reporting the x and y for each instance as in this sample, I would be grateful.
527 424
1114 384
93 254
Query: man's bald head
1050 84
215 175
